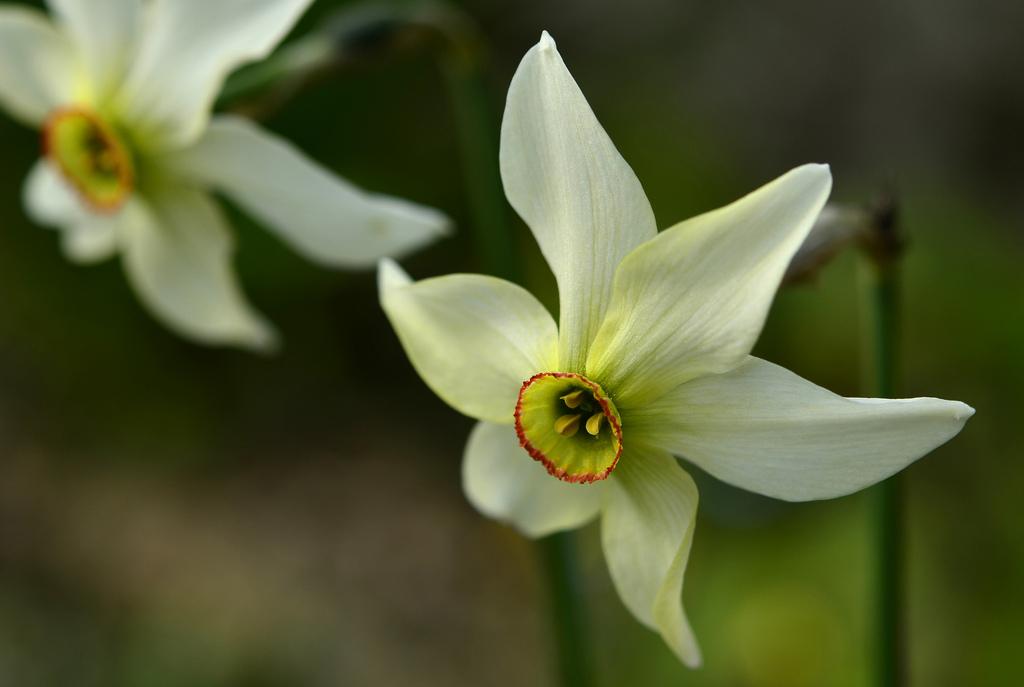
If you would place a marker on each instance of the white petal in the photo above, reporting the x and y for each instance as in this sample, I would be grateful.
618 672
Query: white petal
503 482
189 49
49 199
322 216
92 241
36 66
473 339
87 237
693 300
105 34
177 253
763 428
646 530
567 181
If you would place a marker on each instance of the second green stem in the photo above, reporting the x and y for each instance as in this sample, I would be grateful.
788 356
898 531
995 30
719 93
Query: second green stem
566 599
890 634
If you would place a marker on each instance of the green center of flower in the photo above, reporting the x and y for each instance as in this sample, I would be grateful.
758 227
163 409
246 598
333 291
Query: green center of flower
91 156
568 423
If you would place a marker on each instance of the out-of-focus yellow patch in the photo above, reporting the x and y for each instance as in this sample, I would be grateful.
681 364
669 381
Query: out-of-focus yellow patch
91 156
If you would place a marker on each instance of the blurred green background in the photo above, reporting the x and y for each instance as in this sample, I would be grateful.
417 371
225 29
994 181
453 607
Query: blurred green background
172 515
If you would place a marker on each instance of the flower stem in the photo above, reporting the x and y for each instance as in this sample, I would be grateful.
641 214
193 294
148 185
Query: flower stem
884 250
566 600
478 144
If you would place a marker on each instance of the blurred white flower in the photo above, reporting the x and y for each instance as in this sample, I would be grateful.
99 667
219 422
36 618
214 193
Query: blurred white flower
122 91
650 359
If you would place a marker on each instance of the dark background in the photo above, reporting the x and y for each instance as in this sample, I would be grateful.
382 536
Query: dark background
172 515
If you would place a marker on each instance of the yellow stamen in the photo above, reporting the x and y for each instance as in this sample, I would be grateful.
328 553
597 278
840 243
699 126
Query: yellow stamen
594 423
567 425
575 398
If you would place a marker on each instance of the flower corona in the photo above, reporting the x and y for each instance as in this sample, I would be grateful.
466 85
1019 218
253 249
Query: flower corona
570 425
91 156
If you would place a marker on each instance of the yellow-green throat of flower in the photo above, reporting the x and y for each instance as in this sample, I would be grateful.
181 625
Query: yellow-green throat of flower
568 423
91 156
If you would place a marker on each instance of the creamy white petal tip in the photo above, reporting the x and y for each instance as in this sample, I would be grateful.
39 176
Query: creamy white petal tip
504 483
647 526
390 275
692 300
323 217
564 177
763 428
177 255
473 339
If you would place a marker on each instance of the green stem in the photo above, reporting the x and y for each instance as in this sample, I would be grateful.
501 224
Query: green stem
891 629
566 599
887 498
478 146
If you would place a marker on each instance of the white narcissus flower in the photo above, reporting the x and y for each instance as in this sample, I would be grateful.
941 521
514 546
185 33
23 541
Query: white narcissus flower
122 91
651 357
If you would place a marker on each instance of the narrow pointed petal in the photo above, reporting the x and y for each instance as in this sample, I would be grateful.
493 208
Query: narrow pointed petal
567 181
105 34
504 483
322 216
36 65
177 254
191 46
647 527
763 428
473 339
693 300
